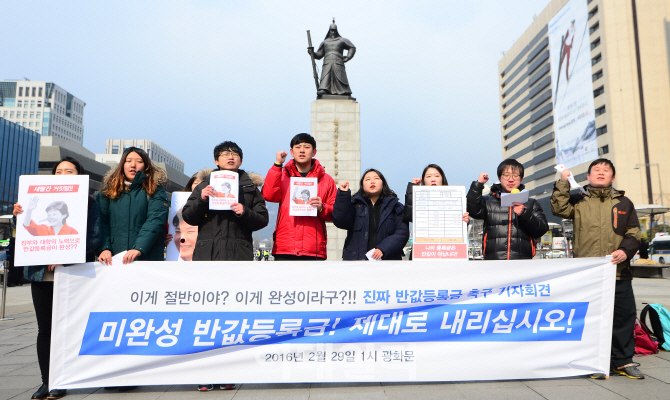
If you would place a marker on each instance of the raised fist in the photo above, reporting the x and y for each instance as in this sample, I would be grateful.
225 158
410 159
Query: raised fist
483 177
344 186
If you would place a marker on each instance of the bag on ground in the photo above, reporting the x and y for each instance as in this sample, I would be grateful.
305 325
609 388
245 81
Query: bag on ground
659 317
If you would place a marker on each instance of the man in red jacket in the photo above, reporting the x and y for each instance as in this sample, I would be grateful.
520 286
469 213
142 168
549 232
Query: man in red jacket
300 238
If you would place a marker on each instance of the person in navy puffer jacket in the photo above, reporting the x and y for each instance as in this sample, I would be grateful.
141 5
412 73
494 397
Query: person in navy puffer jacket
373 218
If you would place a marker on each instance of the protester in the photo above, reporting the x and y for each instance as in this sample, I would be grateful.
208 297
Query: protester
300 238
134 209
226 235
510 233
373 218
432 175
41 279
266 255
605 223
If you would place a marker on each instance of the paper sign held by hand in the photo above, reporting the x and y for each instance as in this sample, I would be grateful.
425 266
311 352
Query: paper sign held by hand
507 199
571 179
226 189
303 189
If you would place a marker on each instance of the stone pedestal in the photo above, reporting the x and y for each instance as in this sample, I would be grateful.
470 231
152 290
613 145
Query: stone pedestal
336 127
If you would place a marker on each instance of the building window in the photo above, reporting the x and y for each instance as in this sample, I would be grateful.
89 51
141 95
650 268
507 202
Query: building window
34 92
37 124
593 12
31 123
25 115
40 92
11 114
596 59
597 75
600 111
594 28
115 149
39 104
32 115
598 91
39 115
32 103
4 114
603 150
601 131
19 104
595 44
20 91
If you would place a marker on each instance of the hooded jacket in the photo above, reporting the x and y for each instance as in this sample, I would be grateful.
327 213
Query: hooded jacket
222 234
604 221
353 214
135 220
300 236
507 236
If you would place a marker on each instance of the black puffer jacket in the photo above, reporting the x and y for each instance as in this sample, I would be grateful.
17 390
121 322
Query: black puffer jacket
507 236
224 235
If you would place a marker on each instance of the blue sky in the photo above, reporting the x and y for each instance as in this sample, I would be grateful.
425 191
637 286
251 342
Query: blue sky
190 74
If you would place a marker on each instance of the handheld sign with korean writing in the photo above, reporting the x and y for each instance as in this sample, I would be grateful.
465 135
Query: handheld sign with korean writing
303 189
226 189
52 227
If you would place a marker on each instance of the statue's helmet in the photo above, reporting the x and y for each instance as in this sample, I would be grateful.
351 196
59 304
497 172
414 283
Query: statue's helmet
332 27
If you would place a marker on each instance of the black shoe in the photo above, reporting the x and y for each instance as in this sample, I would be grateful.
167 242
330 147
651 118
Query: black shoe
127 388
41 393
631 371
57 394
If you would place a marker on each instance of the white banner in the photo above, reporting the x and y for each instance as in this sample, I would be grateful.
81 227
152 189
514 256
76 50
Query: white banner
155 323
571 82
52 227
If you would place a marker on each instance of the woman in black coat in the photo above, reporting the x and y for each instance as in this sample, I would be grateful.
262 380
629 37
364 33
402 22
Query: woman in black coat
372 218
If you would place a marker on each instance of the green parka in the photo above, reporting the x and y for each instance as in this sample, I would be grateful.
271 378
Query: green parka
135 221
604 221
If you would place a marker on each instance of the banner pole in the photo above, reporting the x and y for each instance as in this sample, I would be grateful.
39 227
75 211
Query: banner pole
4 292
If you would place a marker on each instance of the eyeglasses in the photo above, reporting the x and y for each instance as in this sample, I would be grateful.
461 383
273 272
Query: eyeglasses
507 176
228 154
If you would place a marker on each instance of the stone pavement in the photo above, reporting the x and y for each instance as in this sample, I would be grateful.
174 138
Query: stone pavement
20 377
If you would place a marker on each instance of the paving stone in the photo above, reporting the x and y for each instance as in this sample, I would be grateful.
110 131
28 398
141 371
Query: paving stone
589 392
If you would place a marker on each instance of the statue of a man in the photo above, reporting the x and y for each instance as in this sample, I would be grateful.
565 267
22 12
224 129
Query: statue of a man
333 75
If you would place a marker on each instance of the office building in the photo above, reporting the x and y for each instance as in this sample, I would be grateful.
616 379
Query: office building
43 107
628 49
114 148
19 155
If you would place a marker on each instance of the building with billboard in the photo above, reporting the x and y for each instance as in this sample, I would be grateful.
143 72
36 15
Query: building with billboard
589 79
19 155
43 107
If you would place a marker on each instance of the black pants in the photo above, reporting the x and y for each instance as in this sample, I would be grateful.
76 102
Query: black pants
623 338
293 257
43 300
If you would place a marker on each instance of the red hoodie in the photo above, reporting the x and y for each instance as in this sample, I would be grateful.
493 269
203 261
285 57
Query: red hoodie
296 235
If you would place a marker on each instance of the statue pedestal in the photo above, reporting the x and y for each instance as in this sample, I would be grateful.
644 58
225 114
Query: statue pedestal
336 127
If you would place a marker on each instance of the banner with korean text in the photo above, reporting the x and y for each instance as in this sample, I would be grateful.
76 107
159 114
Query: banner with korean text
330 322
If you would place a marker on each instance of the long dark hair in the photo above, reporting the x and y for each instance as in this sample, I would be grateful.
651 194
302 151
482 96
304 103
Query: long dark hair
386 190
77 165
437 167
115 185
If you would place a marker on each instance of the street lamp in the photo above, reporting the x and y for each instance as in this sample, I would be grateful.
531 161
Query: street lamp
660 188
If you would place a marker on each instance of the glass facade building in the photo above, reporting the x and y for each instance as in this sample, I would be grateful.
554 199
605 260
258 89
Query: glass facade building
19 155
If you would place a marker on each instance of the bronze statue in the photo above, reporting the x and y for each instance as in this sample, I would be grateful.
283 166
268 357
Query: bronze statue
333 75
